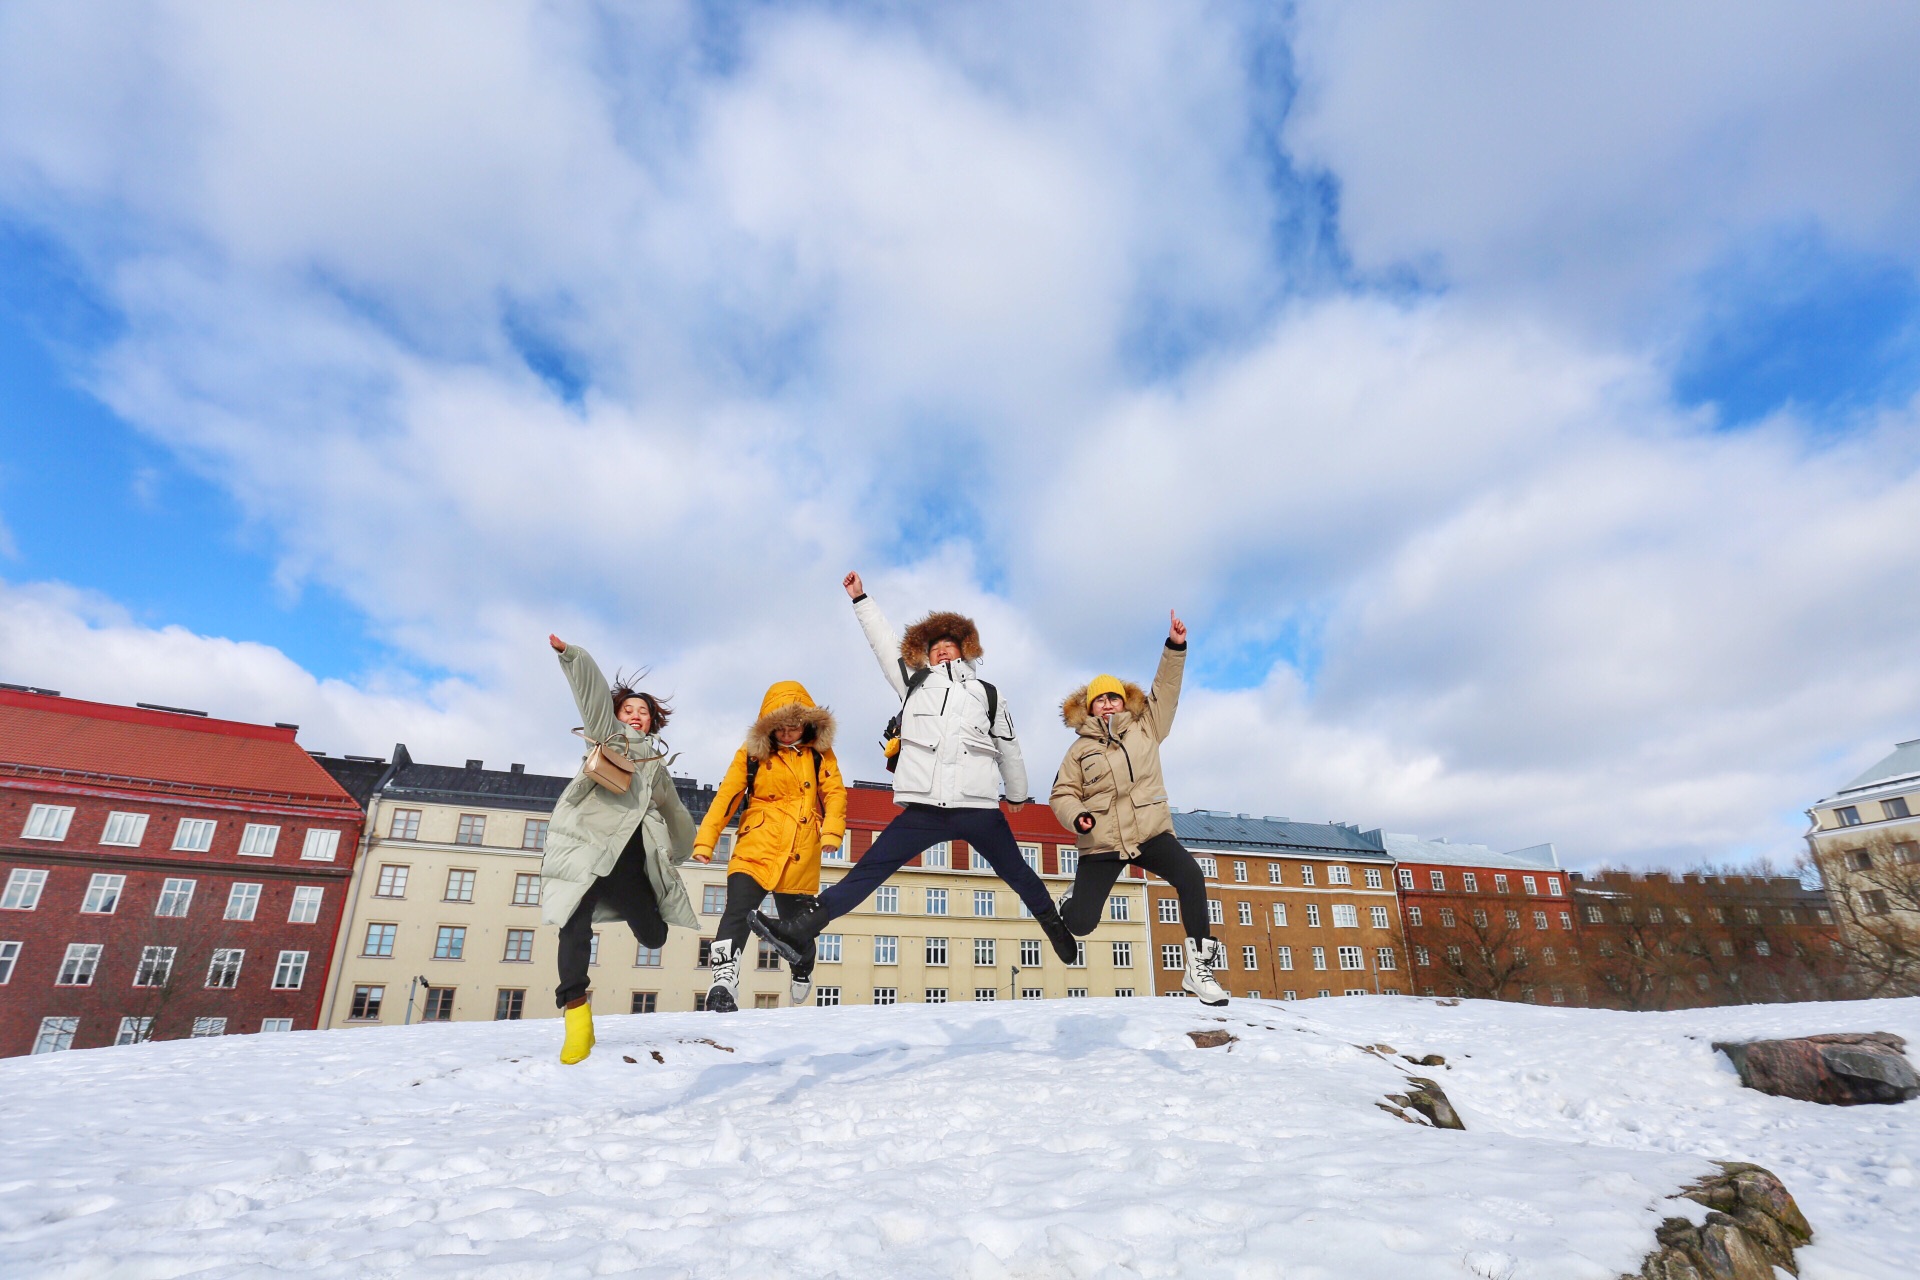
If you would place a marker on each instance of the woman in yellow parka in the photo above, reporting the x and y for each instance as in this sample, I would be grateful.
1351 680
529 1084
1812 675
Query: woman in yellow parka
795 805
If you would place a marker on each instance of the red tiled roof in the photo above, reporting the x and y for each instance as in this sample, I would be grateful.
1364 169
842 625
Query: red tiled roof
40 732
875 807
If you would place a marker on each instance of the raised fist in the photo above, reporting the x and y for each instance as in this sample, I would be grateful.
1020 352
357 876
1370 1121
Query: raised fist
855 588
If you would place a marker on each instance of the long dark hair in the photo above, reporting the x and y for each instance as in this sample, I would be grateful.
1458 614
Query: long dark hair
658 709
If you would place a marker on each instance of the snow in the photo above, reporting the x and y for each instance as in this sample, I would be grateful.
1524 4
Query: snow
1083 1138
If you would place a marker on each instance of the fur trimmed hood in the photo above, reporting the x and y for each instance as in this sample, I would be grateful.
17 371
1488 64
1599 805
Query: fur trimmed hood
1073 708
936 626
788 703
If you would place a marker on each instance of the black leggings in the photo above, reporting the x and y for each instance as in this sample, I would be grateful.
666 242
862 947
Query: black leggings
628 891
1165 857
744 896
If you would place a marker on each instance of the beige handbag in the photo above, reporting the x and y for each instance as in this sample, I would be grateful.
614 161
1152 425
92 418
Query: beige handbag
608 765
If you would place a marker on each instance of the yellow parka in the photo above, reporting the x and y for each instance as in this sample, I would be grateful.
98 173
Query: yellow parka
799 802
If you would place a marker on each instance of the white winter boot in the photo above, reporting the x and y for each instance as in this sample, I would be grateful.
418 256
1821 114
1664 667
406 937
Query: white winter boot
799 987
721 996
1201 955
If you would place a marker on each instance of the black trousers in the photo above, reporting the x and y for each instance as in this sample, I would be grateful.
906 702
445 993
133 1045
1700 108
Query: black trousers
921 827
1165 857
744 896
628 891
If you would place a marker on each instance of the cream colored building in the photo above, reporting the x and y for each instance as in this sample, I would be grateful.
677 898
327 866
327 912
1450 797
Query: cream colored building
1865 839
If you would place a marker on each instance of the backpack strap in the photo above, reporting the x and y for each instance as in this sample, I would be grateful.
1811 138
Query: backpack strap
993 706
746 792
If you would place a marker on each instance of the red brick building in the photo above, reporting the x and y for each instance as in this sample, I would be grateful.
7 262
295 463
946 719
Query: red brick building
162 874
1490 925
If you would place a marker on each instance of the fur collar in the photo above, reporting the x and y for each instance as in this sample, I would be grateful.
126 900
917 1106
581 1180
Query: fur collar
1073 708
817 720
953 626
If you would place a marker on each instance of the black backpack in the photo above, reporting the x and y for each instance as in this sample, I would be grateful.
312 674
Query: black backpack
890 737
753 771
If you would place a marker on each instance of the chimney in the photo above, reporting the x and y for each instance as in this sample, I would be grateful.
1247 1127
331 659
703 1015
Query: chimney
476 764
516 768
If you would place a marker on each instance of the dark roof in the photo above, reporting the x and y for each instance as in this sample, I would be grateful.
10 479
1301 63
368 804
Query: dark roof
501 788
359 775
1209 829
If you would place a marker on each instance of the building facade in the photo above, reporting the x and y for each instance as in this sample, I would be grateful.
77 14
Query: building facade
163 874
1490 925
1305 909
1865 840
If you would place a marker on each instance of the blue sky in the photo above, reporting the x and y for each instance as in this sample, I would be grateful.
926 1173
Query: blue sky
1511 446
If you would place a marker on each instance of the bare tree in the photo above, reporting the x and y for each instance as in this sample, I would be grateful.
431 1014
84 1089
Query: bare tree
1483 952
1874 890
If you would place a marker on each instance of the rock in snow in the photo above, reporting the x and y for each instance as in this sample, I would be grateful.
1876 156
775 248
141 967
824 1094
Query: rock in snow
1070 1138
1754 1227
1845 1069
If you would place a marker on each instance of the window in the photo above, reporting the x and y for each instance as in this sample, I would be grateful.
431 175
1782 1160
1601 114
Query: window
1446 918
1172 956
1239 872
275 1024
459 886
508 1003
1345 916
1029 953
291 970
1378 915
1208 868
519 947
526 889
259 839
1752 914
1352 958
1169 910
983 902
1547 956
826 948
204 1028
1246 912
985 993
886 949
645 1002
1384 958
223 971
1539 919
9 956
826 997
1405 878
125 829
1079 960
1320 957
1215 913
1313 915
886 900
1069 859
1719 916
379 940
176 897
1553 886
713 899
1306 876
1285 957
983 951
1531 885
1123 955
194 835
1119 907
320 845
1470 881
1032 993
156 967
23 889
1895 807
1513 918
1249 958
47 822
1030 854
1422 956
1849 816
936 902
534 834
451 942
393 882
366 1002
439 1005
1339 875
1453 955
1593 915
405 825
243 900
1413 917
55 1034
1123 993
1280 913
1566 920
473 829
306 905
103 894
936 950
1076 993
1499 884
133 1031
886 995
1273 873
1373 878
938 855
1479 919
843 852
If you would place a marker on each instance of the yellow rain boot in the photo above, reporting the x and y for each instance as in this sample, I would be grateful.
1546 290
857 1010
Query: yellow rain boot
579 1042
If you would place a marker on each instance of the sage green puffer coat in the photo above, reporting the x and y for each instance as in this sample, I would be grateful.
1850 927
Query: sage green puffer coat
591 825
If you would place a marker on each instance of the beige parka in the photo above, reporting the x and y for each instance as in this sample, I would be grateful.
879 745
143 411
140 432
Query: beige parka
591 825
1112 770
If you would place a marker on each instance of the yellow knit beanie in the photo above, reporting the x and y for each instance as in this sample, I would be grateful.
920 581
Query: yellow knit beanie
1104 684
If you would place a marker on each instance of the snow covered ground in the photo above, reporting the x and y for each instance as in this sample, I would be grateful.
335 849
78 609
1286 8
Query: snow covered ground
1066 1138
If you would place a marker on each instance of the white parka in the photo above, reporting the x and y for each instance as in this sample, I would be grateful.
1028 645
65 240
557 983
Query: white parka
949 756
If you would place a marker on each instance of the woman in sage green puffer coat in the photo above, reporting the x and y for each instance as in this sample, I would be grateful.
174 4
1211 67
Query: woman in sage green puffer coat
612 855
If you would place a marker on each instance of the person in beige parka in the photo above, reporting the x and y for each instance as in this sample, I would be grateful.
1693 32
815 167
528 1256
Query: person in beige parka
1111 794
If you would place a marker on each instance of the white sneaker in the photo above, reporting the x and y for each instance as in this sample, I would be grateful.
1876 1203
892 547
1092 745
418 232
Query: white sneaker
1201 954
799 991
723 995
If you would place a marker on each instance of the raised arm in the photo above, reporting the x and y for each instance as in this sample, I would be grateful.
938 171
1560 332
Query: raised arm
591 693
885 644
1165 696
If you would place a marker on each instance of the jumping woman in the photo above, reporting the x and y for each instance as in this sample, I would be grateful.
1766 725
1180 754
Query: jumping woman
1111 794
793 805
612 850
